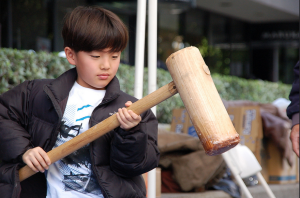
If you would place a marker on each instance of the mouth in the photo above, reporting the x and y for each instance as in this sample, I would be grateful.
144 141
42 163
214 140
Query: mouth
103 76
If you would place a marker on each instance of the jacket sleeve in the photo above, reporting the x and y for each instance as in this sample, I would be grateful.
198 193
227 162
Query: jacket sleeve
293 108
135 152
14 139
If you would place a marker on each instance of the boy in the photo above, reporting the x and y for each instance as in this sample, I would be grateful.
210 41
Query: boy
39 115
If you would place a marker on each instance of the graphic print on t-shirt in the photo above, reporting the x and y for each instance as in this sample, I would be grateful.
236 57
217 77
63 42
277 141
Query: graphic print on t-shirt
73 175
76 167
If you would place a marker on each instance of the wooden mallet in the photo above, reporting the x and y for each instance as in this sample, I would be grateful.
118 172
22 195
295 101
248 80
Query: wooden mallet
193 82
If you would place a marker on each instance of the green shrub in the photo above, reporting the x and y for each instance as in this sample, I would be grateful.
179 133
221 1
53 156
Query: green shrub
17 66
235 88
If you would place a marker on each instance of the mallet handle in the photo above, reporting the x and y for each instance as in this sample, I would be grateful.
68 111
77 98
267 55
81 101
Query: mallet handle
103 127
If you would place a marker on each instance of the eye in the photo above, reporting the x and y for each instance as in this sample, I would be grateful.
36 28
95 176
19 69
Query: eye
95 56
115 56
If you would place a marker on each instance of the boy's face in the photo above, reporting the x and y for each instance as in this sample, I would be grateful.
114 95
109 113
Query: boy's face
97 68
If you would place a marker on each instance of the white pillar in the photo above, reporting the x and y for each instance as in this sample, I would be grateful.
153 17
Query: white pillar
152 73
140 48
152 47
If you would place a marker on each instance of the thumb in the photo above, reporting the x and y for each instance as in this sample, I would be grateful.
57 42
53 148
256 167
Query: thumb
128 103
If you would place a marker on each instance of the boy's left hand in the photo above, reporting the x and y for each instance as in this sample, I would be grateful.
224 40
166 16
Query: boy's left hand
127 118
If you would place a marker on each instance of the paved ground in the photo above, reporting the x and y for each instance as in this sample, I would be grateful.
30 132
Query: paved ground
280 191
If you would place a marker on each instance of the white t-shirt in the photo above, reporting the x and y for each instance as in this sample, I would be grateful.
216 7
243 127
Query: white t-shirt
72 176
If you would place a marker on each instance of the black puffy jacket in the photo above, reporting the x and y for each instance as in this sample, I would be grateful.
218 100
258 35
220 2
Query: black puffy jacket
30 115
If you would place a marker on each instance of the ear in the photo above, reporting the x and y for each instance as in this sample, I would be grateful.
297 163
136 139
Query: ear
70 55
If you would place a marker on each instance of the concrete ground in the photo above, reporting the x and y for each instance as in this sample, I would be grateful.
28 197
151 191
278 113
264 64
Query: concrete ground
279 190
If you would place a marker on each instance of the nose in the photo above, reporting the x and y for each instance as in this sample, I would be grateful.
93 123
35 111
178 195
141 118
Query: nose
105 65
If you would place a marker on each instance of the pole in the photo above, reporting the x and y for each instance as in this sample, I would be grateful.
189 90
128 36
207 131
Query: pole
234 169
265 185
139 48
152 73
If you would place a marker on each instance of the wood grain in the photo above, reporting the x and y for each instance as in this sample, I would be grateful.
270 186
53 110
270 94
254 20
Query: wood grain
202 100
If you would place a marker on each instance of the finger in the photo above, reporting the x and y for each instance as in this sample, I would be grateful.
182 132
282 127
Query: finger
45 157
41 165
119 118
294 136
134 115
296 150
295 144
128 103
127 115
37 160
27 161
37 165
42 161
30 165
121 114
42 156
122 123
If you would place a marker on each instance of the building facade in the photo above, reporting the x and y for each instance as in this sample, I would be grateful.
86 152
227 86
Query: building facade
253 39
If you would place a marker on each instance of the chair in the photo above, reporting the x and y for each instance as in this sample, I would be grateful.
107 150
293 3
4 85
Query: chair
242 164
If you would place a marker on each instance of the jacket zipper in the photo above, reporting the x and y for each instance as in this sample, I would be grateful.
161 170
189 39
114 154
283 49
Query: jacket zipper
91 156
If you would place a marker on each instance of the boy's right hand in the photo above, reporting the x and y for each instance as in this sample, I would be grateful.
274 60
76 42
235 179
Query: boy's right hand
37 159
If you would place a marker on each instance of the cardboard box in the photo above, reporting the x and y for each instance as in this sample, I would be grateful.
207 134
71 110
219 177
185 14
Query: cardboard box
246 120
180 121
258 150
279 171
248 124
264 156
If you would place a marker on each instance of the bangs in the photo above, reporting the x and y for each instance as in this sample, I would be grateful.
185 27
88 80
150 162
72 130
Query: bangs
89 29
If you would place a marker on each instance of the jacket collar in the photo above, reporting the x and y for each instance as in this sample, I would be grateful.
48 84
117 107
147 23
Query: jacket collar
61 86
